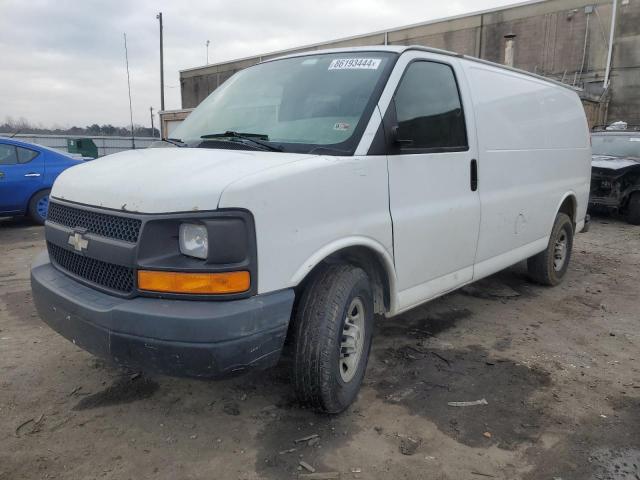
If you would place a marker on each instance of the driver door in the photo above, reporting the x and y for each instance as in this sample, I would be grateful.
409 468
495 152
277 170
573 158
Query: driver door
434 202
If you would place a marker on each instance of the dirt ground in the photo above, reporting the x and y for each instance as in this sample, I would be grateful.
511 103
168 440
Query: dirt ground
559 370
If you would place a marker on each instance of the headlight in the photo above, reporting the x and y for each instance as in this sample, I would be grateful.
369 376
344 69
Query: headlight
194 240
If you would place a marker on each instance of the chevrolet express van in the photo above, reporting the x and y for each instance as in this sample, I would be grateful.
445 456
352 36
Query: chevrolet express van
304 196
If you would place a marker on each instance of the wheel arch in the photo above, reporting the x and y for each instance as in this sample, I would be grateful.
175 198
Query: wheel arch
365 253
42 188
569 206
626 195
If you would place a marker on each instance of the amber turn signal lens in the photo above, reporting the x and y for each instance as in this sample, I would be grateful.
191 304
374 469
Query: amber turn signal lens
197 283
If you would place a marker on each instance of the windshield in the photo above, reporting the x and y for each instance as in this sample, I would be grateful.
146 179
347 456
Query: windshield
299 104
616 145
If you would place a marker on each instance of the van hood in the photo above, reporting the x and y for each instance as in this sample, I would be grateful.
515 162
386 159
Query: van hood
163 180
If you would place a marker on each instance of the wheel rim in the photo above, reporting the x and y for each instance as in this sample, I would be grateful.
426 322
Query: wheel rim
560 251
43 206
352 341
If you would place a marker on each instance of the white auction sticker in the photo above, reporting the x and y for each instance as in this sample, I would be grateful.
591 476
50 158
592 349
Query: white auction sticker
355 64
634 139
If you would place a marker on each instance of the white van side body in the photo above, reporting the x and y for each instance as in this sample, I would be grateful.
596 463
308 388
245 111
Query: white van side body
531 142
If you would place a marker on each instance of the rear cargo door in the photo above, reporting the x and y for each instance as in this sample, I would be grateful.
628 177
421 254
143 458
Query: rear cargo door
434 201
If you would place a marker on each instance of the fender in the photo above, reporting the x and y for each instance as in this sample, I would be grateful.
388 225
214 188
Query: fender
579 223
346 242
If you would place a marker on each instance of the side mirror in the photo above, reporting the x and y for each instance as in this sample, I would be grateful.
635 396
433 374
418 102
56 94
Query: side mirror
395 136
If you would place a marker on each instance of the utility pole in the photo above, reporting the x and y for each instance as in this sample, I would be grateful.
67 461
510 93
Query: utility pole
153 130
208 51
126 57
159 17
612 37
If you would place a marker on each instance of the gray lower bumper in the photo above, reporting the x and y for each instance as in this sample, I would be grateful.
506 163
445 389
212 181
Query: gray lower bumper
175 337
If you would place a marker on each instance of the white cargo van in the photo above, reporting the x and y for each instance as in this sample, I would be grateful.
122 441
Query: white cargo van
302 197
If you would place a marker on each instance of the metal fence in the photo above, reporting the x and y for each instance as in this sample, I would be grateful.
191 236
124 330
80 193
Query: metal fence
106 145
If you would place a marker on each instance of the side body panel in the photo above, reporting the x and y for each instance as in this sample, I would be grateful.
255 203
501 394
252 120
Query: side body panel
307 210
54 165
434 210
19 182
534 151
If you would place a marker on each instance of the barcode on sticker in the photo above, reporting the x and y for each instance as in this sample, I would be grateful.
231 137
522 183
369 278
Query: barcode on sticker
354 64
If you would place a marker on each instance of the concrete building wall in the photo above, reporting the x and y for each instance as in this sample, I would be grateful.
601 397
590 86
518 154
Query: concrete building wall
563 39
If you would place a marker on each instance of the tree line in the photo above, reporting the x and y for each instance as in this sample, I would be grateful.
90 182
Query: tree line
12 126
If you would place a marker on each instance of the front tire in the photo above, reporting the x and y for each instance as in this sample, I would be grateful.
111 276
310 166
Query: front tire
632 215
332 337
38 206
550 266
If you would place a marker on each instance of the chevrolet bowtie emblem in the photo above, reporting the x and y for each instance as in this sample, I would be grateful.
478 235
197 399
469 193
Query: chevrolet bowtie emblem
78 242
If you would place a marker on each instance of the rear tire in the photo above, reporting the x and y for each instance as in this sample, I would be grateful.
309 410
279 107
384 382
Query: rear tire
632 215
550 266
332 337
38 206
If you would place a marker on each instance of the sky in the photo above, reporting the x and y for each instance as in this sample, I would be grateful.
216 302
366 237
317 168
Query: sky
62 62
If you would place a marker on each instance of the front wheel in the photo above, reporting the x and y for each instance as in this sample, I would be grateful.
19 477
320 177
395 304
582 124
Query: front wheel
38 206
550 266
332 337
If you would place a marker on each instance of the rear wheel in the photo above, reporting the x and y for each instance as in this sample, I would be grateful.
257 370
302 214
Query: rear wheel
632 215
550 266
38 206
332 337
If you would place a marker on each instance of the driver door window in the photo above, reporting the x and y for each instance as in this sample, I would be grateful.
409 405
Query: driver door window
429 111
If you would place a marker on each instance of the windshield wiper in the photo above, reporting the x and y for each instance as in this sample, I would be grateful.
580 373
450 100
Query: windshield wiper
174 141
330 150
255 138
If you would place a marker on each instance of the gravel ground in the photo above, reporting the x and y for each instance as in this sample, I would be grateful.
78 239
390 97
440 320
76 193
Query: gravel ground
558 369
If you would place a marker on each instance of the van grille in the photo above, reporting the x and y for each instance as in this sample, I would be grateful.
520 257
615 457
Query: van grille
105 225
107 275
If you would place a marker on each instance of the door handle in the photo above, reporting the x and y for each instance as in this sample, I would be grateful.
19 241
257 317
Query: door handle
474 175
32 174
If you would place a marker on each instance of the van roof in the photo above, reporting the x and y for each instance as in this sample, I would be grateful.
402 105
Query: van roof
402 48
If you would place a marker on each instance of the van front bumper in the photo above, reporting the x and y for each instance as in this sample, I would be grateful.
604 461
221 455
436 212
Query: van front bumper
203 339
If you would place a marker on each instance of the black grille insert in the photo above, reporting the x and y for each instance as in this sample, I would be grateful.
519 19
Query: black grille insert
105 225
108 275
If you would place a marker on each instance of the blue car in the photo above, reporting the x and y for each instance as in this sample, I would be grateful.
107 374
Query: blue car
27 172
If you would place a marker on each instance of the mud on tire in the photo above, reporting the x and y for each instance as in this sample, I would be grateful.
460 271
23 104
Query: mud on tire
333 319
549 267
